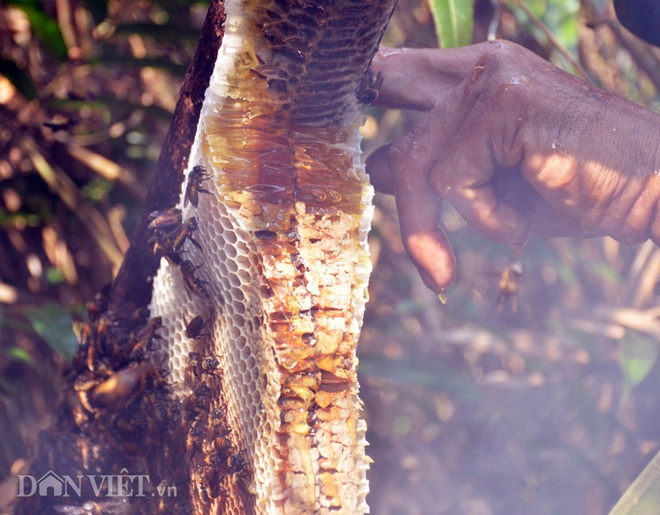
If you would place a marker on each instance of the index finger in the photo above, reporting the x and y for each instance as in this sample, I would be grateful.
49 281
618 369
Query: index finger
419 209
419 78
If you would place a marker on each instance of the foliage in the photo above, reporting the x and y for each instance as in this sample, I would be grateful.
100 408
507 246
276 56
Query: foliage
453 22
44 25
566 382
53 324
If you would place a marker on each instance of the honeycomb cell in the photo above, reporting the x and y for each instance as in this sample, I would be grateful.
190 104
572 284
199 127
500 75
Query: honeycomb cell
235 333
239 309
234 280
231 253
243 274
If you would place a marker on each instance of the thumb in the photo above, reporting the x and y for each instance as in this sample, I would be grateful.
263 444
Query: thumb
379 171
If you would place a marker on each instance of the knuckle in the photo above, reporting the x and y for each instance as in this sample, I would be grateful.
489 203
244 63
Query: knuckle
504 74
397 151
637 226
407 153
447 185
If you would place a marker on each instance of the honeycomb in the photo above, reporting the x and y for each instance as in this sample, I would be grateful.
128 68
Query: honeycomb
278 264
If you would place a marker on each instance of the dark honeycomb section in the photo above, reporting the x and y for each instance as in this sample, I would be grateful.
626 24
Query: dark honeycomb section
320 52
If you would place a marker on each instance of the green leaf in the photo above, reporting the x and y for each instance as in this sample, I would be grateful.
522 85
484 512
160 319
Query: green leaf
48 31
453 22
638 356
44 26
53 324
18 354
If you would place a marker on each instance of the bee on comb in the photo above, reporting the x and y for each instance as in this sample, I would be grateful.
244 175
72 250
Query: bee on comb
197 176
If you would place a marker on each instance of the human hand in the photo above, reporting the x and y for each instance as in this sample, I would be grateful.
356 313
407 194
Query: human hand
515 145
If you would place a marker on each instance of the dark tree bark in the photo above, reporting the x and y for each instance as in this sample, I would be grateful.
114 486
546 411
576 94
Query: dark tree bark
115 417
131 289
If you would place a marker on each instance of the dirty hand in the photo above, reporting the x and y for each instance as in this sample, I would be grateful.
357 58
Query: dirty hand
515 145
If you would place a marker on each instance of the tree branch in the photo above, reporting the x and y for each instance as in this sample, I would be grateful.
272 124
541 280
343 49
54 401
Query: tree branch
131 289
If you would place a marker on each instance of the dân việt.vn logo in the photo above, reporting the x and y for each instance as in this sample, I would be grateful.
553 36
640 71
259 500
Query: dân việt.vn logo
120 485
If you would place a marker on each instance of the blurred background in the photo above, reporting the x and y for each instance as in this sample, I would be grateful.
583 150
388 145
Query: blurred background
515 397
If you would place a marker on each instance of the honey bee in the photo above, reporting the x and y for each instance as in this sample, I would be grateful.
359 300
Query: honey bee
509 285
140 314
219 428
240 471
186 230
165 220
219 413
192 283
197 403
144 336
223 450
81 409
196 177
85 352
210 483
198 367
210 364
96 338
165 225
237 463
170 233
202 395
195 439
99 303
367 91
195 326
190 408
124 384
194 368
83 398
171 238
